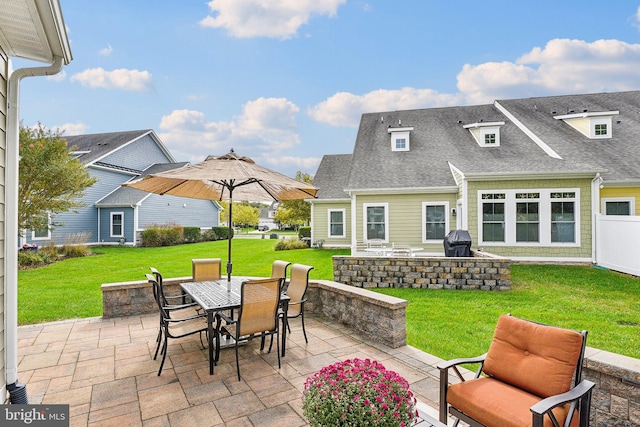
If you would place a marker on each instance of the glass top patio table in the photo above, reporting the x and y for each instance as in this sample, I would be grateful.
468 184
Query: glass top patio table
219 295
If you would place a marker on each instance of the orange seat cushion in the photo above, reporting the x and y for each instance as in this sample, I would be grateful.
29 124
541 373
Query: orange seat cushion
536 358
494 403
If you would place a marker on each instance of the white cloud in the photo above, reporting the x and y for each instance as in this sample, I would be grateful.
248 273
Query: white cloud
345 109
259 18
132 80
69 129
264 131
106 51
563 66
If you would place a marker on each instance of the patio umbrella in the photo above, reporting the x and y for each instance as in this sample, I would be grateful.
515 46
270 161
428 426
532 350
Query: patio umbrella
229 177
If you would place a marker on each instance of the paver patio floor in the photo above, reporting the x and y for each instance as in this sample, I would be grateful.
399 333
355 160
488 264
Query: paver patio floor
104 369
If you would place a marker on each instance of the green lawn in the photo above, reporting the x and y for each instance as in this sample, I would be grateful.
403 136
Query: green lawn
445 323
71 288
453 324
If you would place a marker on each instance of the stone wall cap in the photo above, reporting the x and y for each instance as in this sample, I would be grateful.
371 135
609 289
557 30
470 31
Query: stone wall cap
612 359
137 283
370 296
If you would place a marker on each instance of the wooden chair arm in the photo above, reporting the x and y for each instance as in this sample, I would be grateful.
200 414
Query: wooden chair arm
574 395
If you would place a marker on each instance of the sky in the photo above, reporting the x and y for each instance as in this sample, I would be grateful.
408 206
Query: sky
286 81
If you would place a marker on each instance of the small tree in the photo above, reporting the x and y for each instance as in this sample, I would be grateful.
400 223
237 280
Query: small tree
243 213
295 212
50 179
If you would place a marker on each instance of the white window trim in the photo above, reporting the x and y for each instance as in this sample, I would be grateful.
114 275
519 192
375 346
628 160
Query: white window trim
400 133
631 200
33 232
424 220
344 223
386 220
544 219
479 130
593 121
111 224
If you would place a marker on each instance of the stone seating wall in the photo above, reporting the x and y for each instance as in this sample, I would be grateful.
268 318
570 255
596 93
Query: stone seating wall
482 271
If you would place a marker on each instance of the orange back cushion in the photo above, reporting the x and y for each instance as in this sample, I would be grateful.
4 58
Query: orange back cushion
537 358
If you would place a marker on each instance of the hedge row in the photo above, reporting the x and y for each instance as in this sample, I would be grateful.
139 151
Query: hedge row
169 235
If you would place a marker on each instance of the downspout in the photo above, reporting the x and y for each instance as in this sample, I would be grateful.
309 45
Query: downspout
595 207
17 391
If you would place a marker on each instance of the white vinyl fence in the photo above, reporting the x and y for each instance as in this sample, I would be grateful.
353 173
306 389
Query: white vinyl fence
618 243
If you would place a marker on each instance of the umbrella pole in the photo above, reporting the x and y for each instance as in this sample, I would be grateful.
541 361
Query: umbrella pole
229 265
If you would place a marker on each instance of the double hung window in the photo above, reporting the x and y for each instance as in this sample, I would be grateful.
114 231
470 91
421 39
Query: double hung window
376 220
117 224
436 221
493 218
336 223
527 217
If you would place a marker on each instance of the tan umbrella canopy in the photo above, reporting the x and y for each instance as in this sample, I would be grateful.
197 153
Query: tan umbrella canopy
227 177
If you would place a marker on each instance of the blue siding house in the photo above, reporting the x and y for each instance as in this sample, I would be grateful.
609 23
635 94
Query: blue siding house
113 214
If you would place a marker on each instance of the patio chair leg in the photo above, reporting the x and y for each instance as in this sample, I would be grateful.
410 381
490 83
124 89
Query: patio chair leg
278 348
304 331
159 341
164 356
237 361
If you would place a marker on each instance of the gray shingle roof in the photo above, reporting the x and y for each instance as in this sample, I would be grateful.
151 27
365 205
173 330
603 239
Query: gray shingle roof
439 138
331 176
98 145
619 156
127 196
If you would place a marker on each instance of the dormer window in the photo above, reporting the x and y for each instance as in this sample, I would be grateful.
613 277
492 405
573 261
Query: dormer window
400 138
486 134
593 125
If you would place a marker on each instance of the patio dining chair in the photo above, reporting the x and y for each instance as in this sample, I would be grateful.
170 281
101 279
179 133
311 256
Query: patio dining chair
531 376
257 315
182 308
169 299
279 270
204 269
176 321
296 291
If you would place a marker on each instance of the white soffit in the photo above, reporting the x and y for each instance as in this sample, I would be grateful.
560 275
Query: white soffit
34 30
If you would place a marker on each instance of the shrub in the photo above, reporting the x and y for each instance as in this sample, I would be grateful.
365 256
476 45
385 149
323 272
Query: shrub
33 258
356 393
288 244
76 251
304 232
76 246
222 232
192 234
209 235
162 235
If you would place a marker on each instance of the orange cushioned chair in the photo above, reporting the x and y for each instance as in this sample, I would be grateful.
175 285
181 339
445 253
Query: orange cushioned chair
531 376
